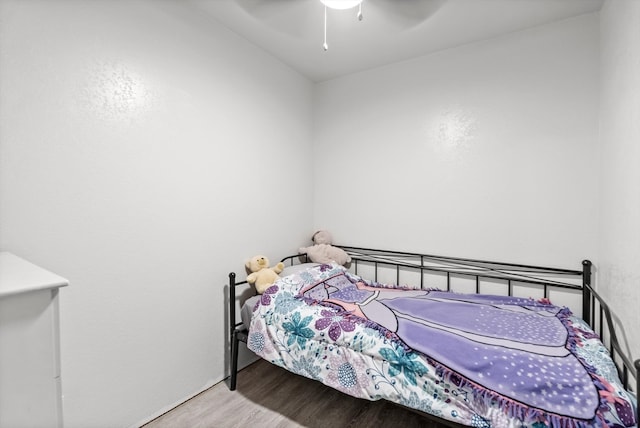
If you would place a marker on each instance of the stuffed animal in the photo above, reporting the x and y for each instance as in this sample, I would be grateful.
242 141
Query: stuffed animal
323 252
262 276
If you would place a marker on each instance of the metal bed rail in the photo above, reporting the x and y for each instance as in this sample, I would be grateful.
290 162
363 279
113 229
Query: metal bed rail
595 311
601 319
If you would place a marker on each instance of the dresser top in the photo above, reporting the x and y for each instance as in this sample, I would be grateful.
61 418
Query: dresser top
20 276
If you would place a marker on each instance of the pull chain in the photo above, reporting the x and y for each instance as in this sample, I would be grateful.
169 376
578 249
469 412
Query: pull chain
325 45
359 11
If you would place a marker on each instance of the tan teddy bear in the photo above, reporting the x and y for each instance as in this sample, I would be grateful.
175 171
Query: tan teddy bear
262 276
323 252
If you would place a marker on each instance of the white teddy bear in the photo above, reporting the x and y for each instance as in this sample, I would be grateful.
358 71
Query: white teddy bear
323 252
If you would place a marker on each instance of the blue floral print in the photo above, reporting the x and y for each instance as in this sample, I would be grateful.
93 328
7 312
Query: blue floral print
401 361
297 329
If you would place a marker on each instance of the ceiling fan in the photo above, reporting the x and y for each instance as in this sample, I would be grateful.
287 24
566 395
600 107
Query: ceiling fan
339 5
295 16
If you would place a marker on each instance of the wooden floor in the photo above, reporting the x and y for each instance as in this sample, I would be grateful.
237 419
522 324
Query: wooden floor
268 396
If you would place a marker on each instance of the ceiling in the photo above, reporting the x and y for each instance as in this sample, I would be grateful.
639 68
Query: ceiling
391 30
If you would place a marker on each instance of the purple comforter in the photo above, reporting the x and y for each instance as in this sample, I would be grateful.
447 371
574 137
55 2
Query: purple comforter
517 348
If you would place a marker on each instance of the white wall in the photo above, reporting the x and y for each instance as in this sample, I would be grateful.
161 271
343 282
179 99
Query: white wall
128 132
487 150
619 267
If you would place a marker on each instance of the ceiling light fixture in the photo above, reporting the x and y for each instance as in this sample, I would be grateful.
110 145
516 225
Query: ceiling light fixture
340 5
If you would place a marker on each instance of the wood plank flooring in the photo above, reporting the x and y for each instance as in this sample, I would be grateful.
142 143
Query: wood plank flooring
269 396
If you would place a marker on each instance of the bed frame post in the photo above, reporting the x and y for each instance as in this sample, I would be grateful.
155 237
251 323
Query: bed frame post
233 334
636 363
586 291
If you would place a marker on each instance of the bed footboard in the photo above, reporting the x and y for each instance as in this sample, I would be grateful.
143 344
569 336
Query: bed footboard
238 333
237 330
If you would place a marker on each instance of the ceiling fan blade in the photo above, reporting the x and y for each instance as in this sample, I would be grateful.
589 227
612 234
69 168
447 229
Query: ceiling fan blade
405 13
293 17
267 6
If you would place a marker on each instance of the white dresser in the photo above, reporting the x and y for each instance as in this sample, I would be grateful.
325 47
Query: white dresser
30 393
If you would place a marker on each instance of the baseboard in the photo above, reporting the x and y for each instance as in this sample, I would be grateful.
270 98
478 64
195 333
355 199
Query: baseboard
170 407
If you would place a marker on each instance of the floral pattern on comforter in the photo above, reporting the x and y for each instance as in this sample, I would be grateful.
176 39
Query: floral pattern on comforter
364 359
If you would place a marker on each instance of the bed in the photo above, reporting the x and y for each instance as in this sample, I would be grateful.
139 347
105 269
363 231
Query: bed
465 342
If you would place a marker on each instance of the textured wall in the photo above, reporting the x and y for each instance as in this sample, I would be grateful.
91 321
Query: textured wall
487 150
619 268
128 131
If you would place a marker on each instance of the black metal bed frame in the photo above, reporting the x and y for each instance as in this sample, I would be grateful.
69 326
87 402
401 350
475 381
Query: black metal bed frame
595 310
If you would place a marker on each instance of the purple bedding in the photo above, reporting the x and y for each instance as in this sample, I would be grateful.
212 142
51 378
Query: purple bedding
521 361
